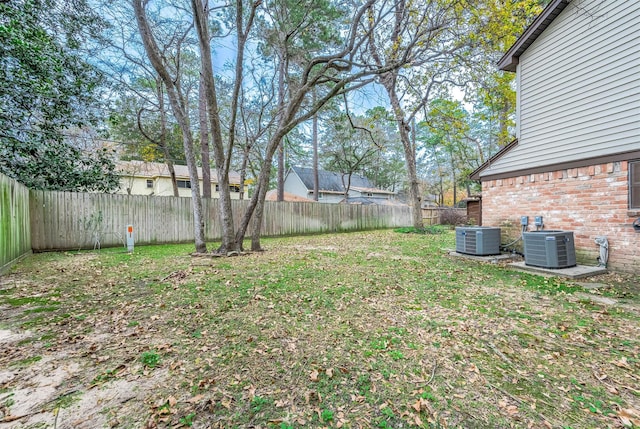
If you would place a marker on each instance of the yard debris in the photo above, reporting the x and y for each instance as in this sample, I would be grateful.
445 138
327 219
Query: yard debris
629 417
176 276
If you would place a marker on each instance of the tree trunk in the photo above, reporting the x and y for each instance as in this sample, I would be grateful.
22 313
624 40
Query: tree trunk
281 168
255 209
503 136
347 186
204 140
259 212
314 131
163 141
172 173
222 167
243 168
410 156
151 48
441 190
454 179
281 100
389 81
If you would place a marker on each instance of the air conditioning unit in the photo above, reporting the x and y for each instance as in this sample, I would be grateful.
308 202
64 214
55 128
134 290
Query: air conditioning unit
478 240
549 249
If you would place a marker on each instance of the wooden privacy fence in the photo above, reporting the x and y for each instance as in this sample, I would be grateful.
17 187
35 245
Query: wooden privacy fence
69 220
444 215
15 237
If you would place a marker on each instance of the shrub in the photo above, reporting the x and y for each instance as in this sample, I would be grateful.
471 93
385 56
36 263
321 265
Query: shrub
451 216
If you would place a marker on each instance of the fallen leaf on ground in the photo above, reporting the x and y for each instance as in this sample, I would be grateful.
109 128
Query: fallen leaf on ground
629 417
314 375
196 399
622 363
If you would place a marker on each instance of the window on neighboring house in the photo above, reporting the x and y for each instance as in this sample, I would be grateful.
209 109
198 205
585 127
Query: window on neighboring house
320 195
232 188
149 183
186 184
634 184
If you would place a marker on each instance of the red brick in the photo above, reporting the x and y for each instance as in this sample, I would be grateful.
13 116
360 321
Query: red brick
597 195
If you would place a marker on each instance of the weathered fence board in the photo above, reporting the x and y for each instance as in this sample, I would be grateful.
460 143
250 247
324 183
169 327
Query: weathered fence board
443 215
68 220
15 232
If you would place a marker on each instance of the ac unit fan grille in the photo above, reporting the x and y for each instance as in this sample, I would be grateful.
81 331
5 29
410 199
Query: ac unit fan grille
480 241
549 249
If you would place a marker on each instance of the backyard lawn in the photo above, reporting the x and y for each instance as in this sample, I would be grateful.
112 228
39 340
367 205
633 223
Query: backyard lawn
359 330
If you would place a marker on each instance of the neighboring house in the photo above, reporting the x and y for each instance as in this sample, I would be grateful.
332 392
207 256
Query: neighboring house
299 181
272 195
153 178
576 160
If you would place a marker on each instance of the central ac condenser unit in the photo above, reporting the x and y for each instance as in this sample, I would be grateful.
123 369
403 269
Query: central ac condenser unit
549 249
478 240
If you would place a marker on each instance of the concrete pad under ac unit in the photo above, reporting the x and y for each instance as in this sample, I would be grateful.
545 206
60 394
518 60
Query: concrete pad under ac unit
575 272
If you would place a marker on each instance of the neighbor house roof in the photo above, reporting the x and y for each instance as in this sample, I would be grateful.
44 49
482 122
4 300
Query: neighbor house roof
367 201
157 169
372 190
332 182
509 61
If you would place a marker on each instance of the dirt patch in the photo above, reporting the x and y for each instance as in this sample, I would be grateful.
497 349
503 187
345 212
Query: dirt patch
40 384
8 337
56 390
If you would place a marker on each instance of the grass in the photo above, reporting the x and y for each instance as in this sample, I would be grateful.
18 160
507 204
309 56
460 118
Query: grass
150 359
377 329
27 361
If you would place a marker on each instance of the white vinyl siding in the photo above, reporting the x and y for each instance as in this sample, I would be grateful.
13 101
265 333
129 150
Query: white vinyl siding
579 88
294 185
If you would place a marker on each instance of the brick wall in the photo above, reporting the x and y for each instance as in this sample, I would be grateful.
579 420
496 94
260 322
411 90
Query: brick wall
590 201
474 214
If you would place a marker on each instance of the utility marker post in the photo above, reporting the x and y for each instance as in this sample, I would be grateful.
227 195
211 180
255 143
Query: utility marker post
130 238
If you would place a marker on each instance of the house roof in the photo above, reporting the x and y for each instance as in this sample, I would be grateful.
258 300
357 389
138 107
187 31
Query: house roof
569 122
372 190
367 201
332 182
509 61
475 175
153 170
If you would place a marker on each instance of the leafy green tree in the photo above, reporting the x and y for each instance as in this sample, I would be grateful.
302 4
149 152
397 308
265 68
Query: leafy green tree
141 124
48 90
169 72
445 137
335 68
431 38
293 32
365 144
349 146
388 170
490 91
